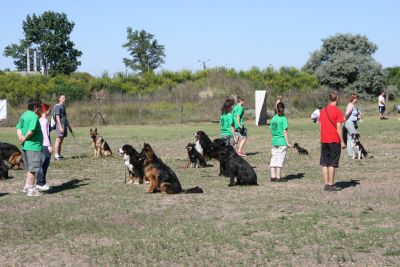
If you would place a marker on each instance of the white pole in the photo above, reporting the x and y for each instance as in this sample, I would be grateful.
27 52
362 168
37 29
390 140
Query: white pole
34 61
28 61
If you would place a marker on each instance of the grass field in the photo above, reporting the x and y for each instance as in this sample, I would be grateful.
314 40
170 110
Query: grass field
91 218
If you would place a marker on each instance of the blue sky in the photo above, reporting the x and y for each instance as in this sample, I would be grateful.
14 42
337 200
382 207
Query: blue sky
230 33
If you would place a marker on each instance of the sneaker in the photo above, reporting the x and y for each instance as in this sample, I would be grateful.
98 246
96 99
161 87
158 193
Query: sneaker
273 179
282 180
326 187
25 190
59 157
44 187
33 192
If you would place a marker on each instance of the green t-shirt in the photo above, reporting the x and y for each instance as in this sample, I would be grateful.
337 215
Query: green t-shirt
225 122
278 124
238 110
29 121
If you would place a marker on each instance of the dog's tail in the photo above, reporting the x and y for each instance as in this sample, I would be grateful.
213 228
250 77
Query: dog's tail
193 190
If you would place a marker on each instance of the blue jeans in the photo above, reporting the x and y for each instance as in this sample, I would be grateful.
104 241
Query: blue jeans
45 162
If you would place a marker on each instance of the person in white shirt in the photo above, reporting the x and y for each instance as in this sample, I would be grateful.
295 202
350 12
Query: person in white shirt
315 115
382 104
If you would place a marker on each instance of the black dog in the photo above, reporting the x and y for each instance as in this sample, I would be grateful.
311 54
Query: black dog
3 170
12 155
358 149
301 150
196 160
133 163
204 145
233 165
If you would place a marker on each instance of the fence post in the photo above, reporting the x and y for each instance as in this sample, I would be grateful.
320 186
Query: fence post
180 107
140 109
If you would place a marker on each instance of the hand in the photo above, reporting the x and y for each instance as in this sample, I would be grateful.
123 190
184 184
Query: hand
50 149
343 145
21 139
289 145
61 129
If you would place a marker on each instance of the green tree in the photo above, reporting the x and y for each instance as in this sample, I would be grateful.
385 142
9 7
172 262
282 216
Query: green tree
48 34
345 62
147 54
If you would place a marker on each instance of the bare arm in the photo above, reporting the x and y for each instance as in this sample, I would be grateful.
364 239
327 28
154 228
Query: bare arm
339 131
234 134
285 132
22 138
349 108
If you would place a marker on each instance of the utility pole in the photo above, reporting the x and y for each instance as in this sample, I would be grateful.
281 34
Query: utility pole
28 61
204 63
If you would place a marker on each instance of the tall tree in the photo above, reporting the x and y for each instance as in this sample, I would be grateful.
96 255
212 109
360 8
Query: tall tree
48 34
345 62
147 54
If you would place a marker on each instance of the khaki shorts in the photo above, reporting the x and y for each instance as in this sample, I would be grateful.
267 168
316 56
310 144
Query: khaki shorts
32 160
278 156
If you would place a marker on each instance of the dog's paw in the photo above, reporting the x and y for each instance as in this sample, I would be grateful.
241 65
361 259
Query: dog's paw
231 184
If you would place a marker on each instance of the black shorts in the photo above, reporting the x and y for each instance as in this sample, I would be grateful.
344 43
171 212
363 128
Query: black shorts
382 109
330 154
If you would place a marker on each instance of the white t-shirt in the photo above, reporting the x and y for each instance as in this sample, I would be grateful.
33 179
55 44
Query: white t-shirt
381 101
315 115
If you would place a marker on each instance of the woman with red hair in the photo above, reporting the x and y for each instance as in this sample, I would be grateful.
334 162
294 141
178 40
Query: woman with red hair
46 148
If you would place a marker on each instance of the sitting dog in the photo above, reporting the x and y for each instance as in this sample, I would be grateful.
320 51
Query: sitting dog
12 155
133 163
204 145
358 149
301 150
101 148
162 178
3 170
196 160
233 165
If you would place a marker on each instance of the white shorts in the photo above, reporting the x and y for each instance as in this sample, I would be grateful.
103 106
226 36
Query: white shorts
278 156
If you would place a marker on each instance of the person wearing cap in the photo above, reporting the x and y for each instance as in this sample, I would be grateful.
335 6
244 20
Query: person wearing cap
41 183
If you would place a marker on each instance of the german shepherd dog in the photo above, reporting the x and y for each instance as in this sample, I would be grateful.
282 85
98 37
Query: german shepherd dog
196 160
101 148
3 170
12 155
358 149
162 178
234 166
134 164
204 145
301 150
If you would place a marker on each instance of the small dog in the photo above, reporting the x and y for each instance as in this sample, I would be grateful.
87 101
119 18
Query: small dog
196 160
301 150
162 178
234 166
358 149
101 148
12 155
134 164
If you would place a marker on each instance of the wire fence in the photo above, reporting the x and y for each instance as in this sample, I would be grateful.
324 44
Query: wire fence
175 108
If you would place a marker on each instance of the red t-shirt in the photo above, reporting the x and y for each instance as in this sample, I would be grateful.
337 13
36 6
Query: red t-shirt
328 129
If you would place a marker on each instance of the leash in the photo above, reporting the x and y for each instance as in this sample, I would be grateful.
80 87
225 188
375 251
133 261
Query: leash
73 135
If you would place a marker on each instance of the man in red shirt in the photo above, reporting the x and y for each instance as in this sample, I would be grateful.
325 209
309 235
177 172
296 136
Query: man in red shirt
331 119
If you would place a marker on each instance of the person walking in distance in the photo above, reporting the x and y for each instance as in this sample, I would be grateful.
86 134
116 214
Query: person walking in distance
31 138
61 125
240 130
46 149
331 120
382 104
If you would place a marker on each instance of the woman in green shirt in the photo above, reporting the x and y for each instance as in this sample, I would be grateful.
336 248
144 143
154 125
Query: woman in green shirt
226 123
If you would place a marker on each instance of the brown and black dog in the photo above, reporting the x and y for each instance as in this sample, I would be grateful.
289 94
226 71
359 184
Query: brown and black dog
101 148
12 155
162 178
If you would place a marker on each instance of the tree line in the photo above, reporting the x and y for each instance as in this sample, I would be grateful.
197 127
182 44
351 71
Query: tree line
344 62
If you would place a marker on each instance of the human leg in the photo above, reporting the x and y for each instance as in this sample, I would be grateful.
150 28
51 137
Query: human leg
57 146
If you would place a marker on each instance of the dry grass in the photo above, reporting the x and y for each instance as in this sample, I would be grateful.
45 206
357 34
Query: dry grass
92 218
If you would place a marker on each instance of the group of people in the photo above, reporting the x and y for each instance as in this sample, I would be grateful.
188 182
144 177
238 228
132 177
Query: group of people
33 130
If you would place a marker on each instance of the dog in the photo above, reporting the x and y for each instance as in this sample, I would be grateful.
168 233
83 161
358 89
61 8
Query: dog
162 178
101 147
3 170
196 160
134 164
12 155
301 150
234 166
358 149
204 145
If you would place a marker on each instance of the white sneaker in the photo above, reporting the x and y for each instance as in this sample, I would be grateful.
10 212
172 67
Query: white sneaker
45 187
33 192
25 190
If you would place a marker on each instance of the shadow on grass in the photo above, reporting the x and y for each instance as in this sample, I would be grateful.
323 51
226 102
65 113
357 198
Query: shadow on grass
294 176
72 184
4 194
347 184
